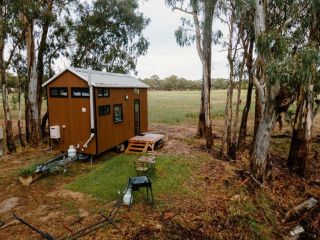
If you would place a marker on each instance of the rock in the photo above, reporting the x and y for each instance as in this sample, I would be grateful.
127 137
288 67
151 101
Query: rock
83 213
297 230
8 204
26 180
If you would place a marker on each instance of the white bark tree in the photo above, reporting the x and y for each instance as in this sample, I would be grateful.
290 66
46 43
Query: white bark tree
203 38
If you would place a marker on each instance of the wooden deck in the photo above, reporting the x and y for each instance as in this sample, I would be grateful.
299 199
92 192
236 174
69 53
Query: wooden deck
144 143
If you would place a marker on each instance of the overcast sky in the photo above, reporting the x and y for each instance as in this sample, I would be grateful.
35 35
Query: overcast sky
164 56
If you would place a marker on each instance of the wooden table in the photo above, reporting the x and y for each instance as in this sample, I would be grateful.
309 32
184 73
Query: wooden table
151 160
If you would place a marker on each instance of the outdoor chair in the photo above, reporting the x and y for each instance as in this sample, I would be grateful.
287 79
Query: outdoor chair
150 161
141 166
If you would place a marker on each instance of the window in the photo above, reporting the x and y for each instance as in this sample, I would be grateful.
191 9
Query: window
58 92
136 91
104 110
103 92
117 113
80 92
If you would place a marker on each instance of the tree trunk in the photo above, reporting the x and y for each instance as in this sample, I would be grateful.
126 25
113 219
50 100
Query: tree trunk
233 147
33 95
7 115
209 7
300 159
260 163
245 113
5 99
44 124
201 122
41 52
22 143
258 111
226 140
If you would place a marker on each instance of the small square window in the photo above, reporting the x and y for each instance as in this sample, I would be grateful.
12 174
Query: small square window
104 110
54 92
85 92
76 92
103 92
117 113
58 92
136 91
63 92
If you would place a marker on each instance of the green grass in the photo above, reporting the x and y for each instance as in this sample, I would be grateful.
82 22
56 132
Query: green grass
174 107
253 212
112 176
32 164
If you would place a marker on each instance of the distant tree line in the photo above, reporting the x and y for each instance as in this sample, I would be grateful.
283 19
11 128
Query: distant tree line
173 82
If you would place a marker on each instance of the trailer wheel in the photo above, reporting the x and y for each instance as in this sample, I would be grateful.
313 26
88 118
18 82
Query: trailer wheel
121 148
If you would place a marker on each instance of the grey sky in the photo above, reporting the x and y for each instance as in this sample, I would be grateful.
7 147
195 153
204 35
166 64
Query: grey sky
164 56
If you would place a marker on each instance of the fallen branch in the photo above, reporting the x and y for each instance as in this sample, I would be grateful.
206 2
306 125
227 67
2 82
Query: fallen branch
281 136
300 209
259 183
242 172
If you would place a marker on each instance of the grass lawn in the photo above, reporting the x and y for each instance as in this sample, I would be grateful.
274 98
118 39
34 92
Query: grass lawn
104 182
174 107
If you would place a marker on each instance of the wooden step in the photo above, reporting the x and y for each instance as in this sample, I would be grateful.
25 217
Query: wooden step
134 147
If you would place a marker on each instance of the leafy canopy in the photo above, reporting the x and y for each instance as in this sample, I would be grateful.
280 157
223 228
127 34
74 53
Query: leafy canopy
108 36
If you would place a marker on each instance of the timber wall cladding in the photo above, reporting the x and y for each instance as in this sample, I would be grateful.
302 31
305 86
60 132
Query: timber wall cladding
74 114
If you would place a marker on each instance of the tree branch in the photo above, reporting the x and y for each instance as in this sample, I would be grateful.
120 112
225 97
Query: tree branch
183 10
15 46
198 35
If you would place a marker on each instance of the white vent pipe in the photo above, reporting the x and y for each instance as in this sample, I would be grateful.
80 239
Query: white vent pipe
91 111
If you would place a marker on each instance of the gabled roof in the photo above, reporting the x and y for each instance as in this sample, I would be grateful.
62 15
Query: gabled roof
102 79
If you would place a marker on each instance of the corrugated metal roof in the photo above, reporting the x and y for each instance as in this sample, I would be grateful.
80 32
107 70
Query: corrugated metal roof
103 79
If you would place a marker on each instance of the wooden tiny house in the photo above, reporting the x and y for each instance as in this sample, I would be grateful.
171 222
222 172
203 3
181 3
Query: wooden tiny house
95 111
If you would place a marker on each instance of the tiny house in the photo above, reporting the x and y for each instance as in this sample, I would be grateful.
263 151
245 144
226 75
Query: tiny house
95 111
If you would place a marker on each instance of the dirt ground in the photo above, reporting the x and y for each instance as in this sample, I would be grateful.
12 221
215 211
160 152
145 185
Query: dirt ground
206 214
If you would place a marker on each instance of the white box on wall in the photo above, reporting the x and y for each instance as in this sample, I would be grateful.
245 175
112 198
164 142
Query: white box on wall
55 132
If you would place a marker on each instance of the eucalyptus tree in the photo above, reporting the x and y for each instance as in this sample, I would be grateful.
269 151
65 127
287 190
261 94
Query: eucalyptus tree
203 36
108 35
273 24
19 66
11 35
229 17
248 41
40 17
307 76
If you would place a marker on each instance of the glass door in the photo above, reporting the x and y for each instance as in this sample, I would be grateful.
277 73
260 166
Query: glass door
136 117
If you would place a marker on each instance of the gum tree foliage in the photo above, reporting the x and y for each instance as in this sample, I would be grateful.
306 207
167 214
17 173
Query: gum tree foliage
281 42
198 29
108 36
306 73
